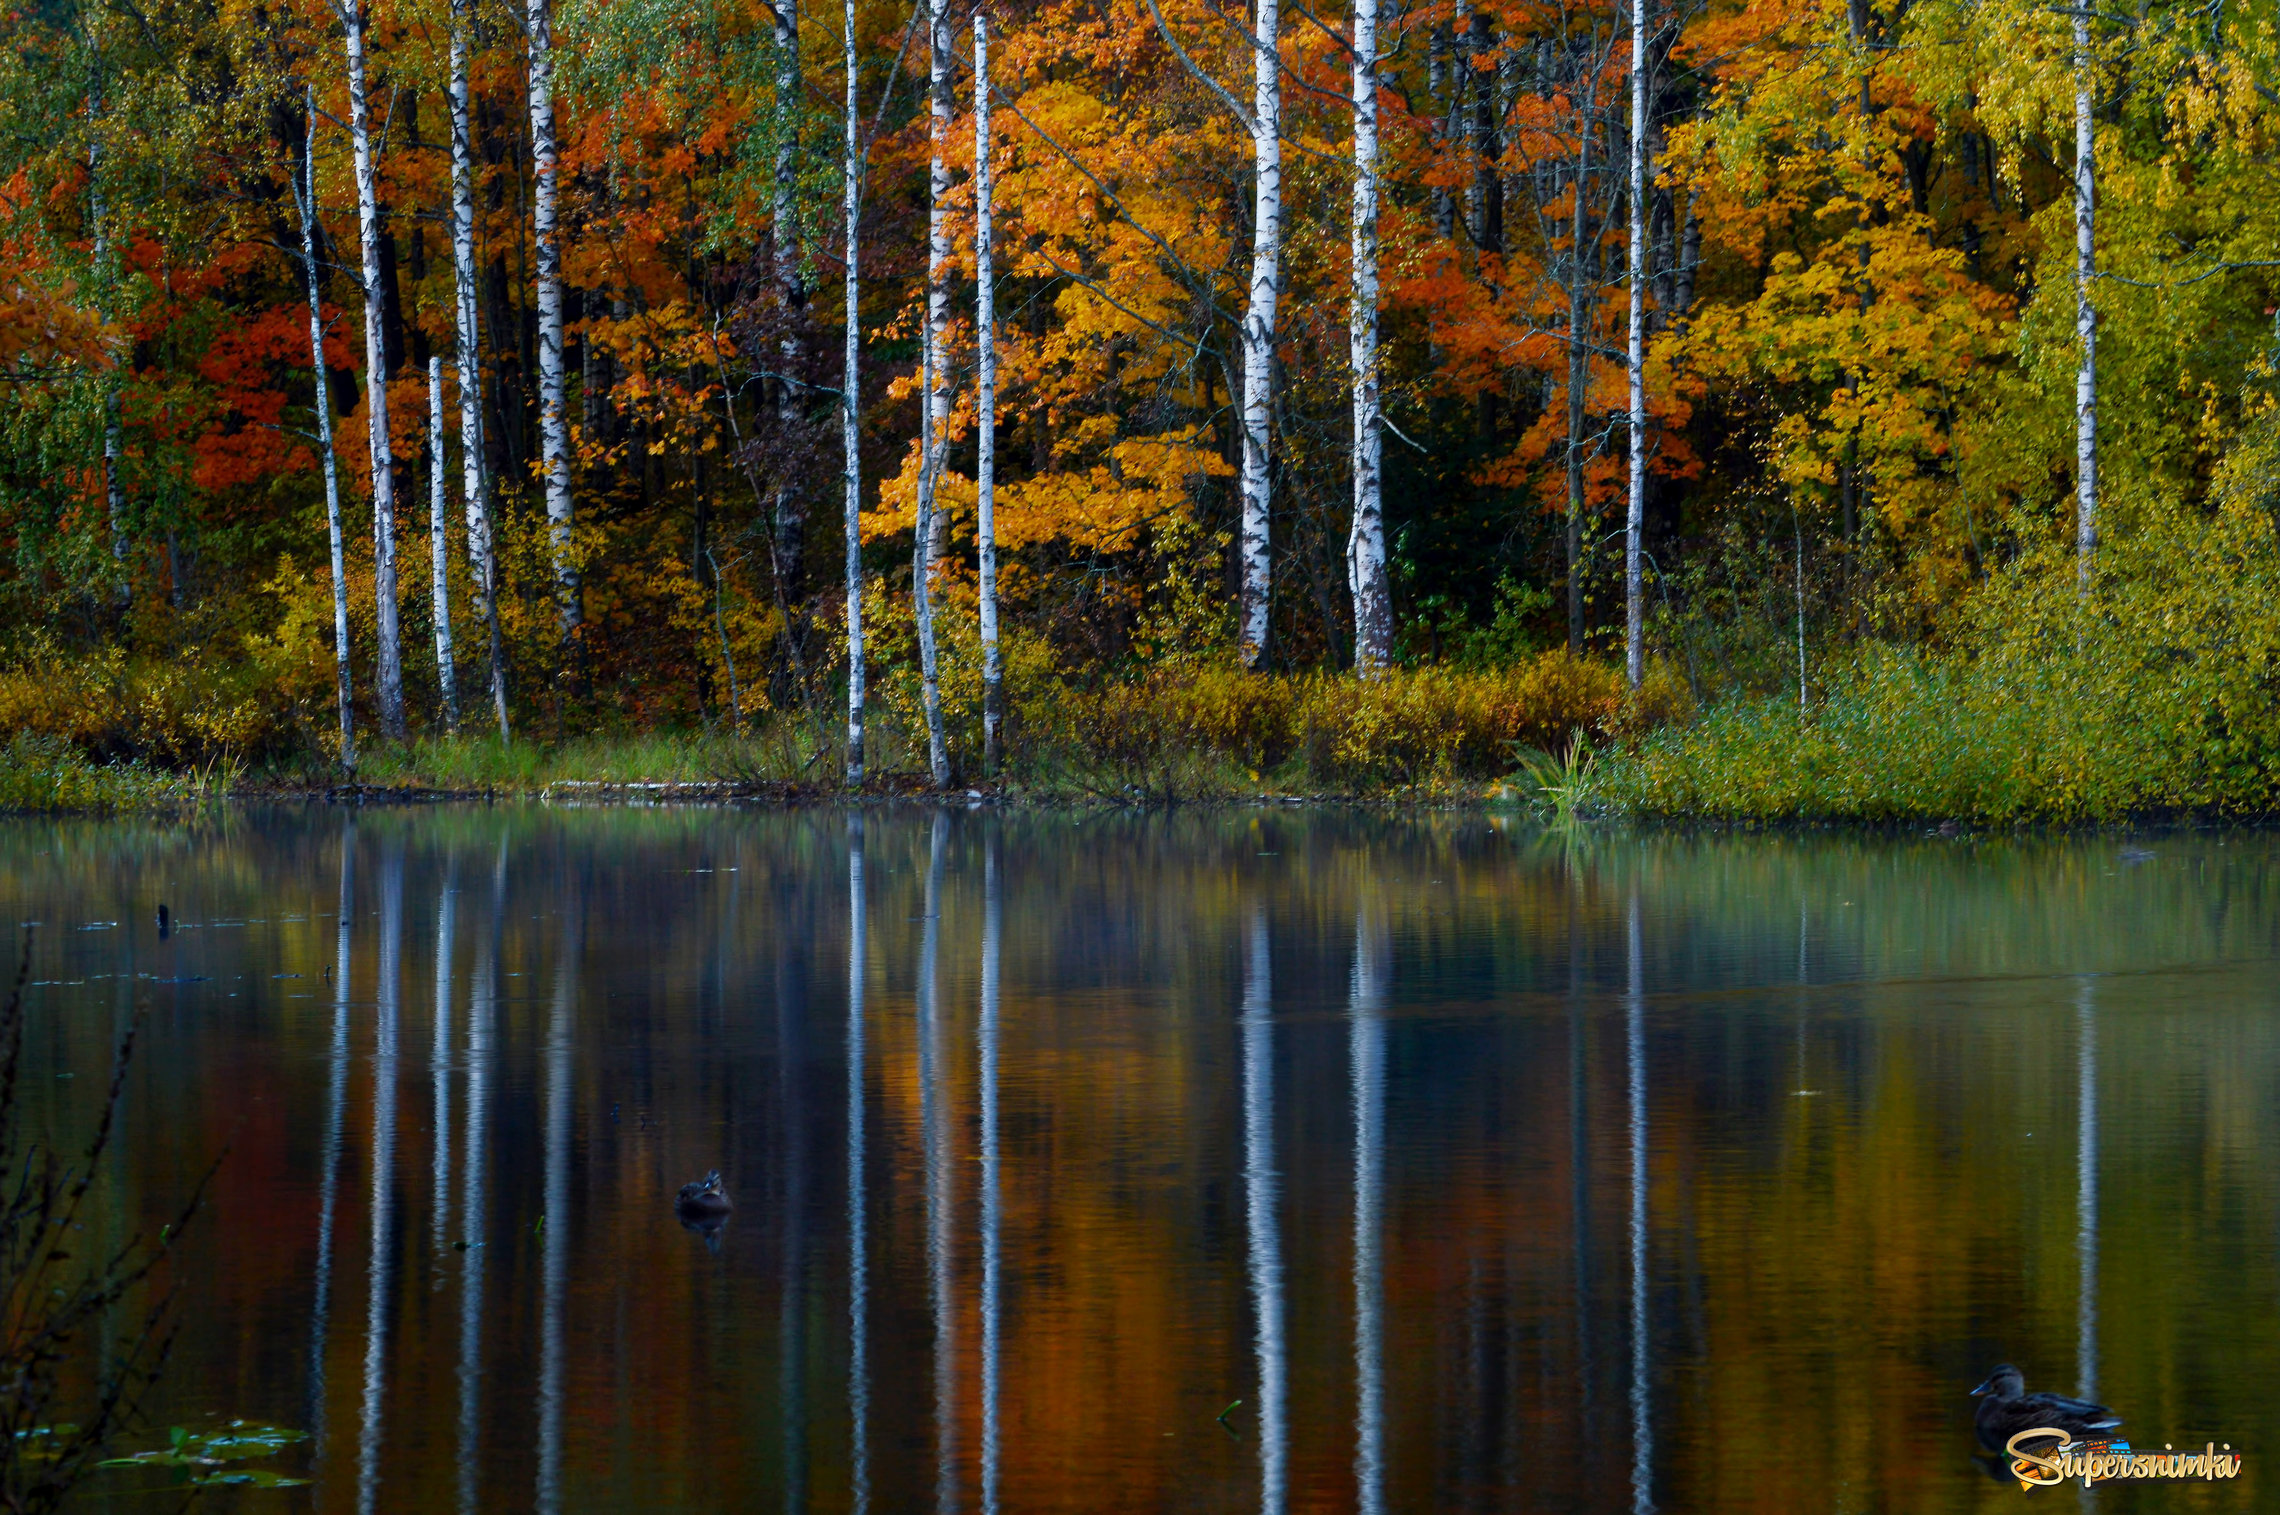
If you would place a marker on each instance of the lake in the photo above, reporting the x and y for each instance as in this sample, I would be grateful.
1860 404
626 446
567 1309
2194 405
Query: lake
1220 1160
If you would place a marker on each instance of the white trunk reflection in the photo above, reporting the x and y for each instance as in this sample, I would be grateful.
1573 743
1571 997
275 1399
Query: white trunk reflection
992 923
389 995
1261 1191
336 1107
482 1011
440 1065
554 1273
941 1197
1635 1051
858 1286
1367 1054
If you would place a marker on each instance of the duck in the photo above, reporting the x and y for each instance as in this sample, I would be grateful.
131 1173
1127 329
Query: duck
704 1199
2006 1409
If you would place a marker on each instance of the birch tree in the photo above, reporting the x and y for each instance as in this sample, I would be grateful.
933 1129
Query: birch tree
932 535
553 417
936 401
985 409
482 555
1634 516
851 177
439 551
1365 547
390 684
305 203
922 572
2085 313
1255 601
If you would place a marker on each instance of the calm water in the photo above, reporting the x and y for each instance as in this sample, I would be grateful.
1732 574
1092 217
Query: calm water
1682 1173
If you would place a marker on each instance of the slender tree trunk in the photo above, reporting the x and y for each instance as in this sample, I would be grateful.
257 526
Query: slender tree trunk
938 269
1635 513
931 536
553 418
922 571
1365 547
985 410
439 550
790 505
1578 381
390 686
2085 312
482 553
1259 335
850 401
305 201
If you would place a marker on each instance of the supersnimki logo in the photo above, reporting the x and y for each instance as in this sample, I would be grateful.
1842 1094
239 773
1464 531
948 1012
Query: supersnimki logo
2107 1461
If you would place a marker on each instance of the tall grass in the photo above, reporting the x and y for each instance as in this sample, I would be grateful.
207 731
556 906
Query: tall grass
2158 694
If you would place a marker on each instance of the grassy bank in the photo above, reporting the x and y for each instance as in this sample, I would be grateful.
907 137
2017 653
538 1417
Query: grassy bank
47 773
2153 695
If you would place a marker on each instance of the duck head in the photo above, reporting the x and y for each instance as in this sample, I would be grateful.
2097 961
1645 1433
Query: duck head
2006 1382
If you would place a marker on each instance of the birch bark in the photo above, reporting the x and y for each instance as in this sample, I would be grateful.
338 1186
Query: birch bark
439 551
931 538
305 201
553 418
1255 603
922 574
482 554
850 418
1634 516
985 409
2085 312
1365 547
938 268
390 683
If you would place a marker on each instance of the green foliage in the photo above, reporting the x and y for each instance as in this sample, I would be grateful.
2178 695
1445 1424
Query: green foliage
2159 693
215 1457
1563 783
48 773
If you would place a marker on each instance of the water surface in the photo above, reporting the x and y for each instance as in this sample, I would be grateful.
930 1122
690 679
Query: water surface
1213 1162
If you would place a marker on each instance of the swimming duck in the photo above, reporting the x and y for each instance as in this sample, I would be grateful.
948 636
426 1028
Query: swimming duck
703 1199
2006 1409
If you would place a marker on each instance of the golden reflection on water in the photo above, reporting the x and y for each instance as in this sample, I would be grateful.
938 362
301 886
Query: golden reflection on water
1219 1161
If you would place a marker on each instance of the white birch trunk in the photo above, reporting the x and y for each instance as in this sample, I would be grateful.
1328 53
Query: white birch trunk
305 201
1259 334
553 417
850 417
2085 313
938 269
790 522
1634 518
1365 546
921 578
932 536
985 409
482 552
439 551
390 684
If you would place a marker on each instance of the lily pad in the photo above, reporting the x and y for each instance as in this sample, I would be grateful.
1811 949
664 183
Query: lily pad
207 1454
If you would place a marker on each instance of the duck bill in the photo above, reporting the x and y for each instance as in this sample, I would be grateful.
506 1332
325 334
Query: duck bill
1986 1388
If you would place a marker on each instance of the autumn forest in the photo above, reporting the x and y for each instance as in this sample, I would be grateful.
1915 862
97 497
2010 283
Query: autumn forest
1825 406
